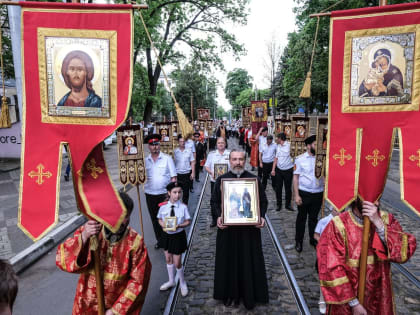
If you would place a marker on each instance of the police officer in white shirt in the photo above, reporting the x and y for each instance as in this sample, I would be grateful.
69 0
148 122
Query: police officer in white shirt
262 140
308 193
220 156
160 170
189 144
185 168
267 153
283 171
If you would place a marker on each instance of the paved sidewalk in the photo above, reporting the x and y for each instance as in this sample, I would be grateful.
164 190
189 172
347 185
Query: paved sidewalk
12 239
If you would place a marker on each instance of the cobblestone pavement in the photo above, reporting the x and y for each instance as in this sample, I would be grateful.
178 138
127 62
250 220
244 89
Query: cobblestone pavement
199 271
12 239
200 266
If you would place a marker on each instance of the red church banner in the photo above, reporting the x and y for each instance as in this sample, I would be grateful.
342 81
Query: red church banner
77 77
374 95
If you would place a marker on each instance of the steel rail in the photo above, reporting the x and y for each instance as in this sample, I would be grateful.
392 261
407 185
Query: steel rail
297 294
173 295
406 273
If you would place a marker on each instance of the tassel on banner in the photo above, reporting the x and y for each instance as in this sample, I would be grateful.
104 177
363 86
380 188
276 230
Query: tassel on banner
306 90
186 128
5 115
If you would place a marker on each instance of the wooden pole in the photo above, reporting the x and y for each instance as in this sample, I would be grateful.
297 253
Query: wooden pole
365 242
141 215
98 277
192 110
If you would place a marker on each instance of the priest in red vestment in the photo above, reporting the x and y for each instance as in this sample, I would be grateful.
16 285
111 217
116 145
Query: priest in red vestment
339 251
125 264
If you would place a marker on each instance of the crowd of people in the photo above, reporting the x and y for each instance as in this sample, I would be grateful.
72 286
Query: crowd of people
240 273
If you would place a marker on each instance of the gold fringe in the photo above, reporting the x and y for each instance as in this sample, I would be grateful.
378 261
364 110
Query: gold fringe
306 90
186 128
5 115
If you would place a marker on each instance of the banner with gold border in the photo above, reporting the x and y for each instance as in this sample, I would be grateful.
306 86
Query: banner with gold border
374 84
77 78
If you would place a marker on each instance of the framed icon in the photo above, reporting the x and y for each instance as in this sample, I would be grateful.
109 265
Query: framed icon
220 169
240 201
170 223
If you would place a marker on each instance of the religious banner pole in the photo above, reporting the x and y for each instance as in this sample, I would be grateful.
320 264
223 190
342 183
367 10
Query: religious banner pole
365 242
141 215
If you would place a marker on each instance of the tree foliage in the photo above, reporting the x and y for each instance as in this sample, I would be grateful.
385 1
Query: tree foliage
237 81
184 29
191 82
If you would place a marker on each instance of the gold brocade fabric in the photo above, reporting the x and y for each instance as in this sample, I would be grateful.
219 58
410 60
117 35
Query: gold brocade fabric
339 251
126 273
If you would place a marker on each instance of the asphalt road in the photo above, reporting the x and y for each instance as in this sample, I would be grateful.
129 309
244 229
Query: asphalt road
44 289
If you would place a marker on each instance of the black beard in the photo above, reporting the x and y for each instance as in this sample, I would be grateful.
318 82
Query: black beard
313 151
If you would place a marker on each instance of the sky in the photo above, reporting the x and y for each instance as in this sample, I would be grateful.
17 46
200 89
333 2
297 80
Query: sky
267 19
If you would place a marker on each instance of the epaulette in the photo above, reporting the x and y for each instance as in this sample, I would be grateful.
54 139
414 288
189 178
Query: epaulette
299 156
162 203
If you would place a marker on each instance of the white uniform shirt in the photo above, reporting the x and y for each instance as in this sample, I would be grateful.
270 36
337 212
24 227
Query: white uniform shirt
181 213
305 168
189 144
183 160
159 174
215 157
249 133
284 161
322 224
268 152
262 140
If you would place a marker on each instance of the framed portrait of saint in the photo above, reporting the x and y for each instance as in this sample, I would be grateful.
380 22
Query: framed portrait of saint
220 169
240 201
203 113
379 72
76 69
170 223
259 111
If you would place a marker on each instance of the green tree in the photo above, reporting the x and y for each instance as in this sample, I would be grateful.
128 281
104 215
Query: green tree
237 81
196 24
221 112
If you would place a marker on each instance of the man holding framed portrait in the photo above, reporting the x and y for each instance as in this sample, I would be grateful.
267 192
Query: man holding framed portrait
240 203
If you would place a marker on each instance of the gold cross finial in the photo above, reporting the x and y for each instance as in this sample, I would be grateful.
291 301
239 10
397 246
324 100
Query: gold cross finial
40 174
416 158
94 170
342 157
375 157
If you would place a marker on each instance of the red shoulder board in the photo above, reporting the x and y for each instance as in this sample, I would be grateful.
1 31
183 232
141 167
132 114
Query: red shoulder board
162 203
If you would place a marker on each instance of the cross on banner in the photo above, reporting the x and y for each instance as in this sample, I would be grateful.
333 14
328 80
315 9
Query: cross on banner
414 158
40 174
375 157
342 157
94 170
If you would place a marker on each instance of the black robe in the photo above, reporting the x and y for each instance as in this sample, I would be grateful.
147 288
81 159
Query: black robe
240 268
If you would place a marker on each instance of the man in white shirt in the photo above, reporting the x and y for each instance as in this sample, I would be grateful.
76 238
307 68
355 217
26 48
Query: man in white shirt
185 168
267 153
262 140
308 193
283 172
189 144
160 170
220 156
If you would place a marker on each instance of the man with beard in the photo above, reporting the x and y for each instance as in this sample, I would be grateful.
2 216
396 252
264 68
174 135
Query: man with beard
78 71
124 261
308 193
240 268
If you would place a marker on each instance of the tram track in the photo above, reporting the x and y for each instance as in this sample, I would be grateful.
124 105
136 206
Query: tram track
275 257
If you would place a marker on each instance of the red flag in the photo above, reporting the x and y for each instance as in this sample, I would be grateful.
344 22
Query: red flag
374 94
77 77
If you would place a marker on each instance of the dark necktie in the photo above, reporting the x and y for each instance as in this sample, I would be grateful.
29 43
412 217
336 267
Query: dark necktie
172 211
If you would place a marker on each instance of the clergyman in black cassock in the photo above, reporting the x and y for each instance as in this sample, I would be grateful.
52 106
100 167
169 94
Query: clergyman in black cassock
240 268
